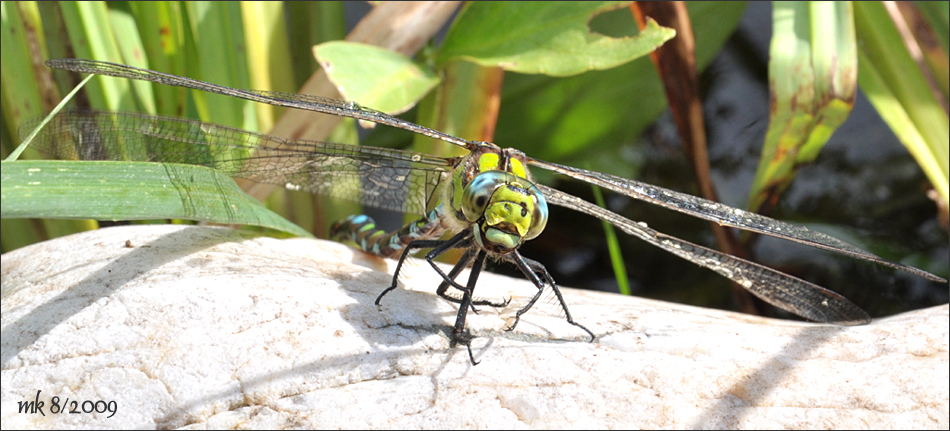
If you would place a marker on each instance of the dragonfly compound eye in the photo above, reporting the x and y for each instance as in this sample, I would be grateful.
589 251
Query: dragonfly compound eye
509 209
539 216
478 193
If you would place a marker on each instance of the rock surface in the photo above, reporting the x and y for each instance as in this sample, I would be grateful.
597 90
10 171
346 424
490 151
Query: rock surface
202 327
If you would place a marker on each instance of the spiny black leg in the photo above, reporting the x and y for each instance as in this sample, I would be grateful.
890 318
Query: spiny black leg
438 247
530 268
459 334
519 261
459 266
457 241
422 243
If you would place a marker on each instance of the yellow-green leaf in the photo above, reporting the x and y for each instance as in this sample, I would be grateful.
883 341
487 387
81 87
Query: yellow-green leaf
375 77
550 38
812 78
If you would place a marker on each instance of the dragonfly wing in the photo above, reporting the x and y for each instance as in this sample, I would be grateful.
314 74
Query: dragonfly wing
390 179
277 98
724 214
781 290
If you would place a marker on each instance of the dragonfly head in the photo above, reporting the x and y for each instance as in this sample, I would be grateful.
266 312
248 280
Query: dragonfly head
506 210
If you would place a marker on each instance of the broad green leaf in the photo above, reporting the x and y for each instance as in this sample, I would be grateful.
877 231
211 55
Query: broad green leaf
550 38
169 35
812 77
560 119
129 191
375 77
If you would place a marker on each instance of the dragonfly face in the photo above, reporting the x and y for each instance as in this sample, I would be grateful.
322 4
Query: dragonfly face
505 210
493 193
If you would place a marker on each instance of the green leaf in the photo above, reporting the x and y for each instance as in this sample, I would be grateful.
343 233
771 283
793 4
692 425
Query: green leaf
198 40
216 28
812 78
559 119
131 48
91 36
375 77
898 90
309 24
937 14
21 92
160 25
129 191
550 38
268 53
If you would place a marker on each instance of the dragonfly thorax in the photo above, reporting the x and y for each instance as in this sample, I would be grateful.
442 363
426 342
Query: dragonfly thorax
505 210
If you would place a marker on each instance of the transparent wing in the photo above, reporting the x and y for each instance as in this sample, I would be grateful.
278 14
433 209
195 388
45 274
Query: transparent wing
723 214
292 100
798 296
391 179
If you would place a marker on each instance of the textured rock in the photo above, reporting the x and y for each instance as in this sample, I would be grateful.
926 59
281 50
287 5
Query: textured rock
211 328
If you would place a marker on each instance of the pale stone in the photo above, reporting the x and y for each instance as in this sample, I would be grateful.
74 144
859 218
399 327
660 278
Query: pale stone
211 328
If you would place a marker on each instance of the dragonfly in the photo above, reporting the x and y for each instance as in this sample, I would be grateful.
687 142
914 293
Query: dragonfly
485 202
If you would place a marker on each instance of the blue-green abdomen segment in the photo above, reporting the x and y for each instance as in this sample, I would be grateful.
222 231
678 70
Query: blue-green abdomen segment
362 230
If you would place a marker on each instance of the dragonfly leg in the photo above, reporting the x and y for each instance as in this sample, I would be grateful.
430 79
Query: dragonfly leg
457 241
422 233
459 334
428 243
531 268
459 266
442 290
438 247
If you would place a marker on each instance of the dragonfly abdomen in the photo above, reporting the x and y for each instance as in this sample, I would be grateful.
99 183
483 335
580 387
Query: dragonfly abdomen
362 230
